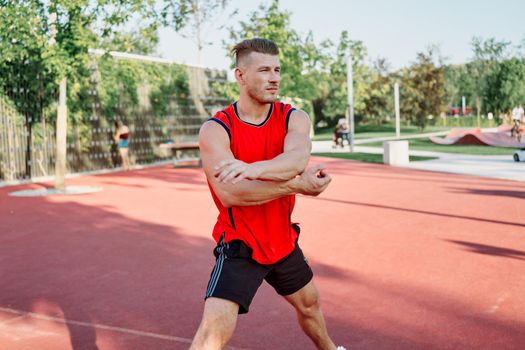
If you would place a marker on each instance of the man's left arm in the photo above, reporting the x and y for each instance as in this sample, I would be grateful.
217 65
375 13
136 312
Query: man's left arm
287 165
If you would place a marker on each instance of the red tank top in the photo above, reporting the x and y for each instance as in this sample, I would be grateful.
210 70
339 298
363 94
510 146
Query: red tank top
265 228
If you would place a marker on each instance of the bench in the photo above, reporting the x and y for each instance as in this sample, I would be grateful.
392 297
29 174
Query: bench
178 148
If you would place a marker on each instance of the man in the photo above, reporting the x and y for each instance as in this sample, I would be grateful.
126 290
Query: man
517 118
517 114
254 154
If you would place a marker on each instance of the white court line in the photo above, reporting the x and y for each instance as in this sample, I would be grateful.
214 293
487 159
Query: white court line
498 303
104 327
14 319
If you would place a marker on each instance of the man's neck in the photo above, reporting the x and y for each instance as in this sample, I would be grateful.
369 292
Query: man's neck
251 111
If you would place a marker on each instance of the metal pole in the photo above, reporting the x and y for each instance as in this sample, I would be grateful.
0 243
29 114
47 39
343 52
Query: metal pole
61 125
350 84
463 106
396 107
60 159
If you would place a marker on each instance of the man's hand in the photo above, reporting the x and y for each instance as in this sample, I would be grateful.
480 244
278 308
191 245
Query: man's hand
313 180
235 170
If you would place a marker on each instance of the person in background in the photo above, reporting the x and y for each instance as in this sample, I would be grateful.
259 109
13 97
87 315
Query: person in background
521 113
341 133
517 118
121 137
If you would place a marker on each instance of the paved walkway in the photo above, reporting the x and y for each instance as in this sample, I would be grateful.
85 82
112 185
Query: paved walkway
499 166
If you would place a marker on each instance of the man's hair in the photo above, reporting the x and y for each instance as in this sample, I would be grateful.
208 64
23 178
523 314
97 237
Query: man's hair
259 45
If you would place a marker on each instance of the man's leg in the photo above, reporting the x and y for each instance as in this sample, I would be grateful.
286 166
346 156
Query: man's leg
217 325
306 302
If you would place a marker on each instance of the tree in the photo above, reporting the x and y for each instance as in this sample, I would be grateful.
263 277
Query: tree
141 41
196 16
454 77
487 53
25 76
378 99
505 86
26 32
423 89
38 52
335 103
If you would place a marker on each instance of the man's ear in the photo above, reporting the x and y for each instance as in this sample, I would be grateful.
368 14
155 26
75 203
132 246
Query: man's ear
239 75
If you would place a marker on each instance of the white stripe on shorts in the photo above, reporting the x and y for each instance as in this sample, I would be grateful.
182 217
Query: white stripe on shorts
217 269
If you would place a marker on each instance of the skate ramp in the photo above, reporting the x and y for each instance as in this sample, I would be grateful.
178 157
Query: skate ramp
501 138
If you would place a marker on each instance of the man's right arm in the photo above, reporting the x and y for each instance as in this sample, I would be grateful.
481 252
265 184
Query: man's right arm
215 146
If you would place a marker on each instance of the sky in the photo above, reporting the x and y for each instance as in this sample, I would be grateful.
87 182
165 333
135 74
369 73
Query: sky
391 29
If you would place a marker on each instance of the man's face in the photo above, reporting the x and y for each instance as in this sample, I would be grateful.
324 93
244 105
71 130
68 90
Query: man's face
260 74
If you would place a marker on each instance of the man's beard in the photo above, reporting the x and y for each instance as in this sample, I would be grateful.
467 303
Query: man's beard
261 96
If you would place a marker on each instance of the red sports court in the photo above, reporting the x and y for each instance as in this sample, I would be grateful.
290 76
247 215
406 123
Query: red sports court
404 259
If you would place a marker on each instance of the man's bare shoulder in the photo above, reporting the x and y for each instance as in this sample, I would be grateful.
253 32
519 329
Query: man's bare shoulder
300 114
299 121
212 132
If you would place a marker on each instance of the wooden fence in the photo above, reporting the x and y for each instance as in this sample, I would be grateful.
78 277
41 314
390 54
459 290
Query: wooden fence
17 160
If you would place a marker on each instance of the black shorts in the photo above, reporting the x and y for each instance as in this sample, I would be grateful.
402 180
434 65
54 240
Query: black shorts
236 276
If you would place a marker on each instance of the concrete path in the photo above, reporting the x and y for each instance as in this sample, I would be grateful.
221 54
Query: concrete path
493 166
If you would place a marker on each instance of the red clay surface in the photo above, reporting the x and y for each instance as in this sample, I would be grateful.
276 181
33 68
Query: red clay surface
403 259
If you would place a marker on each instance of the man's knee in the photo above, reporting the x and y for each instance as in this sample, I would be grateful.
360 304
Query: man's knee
309 306
220 311
218 323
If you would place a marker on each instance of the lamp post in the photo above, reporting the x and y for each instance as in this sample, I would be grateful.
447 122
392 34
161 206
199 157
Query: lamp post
396 107
350 84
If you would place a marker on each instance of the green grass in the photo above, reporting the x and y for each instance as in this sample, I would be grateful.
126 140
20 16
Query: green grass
365 157
427 145
469 122
386 130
